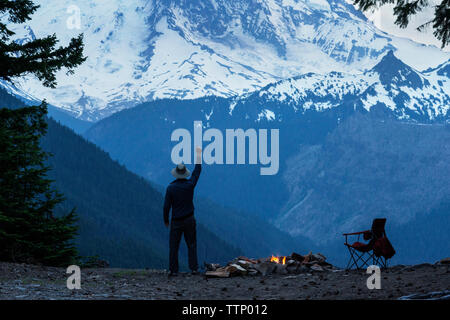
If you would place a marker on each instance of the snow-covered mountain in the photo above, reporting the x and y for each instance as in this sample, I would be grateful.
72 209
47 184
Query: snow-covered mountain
406 93
143 50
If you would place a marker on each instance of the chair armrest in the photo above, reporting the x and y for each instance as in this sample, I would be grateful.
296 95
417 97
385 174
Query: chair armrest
355 233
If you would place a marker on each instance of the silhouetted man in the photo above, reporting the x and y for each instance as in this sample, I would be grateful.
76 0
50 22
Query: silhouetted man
179 197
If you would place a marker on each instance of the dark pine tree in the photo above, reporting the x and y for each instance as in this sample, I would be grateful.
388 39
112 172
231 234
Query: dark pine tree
39 57
29 230
405 9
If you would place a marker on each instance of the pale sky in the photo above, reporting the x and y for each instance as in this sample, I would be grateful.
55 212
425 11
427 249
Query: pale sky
383 18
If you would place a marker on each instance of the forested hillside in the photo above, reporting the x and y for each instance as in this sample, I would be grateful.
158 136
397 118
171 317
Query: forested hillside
120 214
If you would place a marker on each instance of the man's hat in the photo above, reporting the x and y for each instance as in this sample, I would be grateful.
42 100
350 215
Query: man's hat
180 171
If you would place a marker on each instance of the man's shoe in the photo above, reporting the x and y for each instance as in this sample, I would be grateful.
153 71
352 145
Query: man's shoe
173 274
194 272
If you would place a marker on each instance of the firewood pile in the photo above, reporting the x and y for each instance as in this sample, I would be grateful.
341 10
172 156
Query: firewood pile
293 264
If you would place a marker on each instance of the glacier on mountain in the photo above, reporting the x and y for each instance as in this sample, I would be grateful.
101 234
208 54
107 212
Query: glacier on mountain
144 50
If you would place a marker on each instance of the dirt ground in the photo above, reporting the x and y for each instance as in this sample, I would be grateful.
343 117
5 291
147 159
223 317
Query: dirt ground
20 281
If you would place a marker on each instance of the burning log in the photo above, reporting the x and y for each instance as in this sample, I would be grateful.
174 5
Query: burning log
281 260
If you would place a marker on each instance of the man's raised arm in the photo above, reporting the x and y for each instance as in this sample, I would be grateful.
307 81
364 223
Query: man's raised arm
198 166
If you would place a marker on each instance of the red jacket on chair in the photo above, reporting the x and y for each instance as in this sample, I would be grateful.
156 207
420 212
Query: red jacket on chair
383 247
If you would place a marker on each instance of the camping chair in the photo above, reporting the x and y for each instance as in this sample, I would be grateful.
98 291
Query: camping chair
378 249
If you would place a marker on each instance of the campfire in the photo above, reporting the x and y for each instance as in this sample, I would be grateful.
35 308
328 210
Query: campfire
277 259
293 264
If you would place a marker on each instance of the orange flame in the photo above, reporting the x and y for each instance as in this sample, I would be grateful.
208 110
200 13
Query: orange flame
277 260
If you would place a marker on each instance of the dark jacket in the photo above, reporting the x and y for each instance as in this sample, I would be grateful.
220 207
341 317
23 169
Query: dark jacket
179 196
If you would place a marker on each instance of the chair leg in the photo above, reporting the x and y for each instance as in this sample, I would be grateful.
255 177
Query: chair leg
380 261
358 260
365 262
384 262
354 261
351 261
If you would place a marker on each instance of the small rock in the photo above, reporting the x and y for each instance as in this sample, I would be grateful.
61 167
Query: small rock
252 272
297 257
217 274
253 261
235 269
316 267
280 269
319 257
243 263
265 268
307 257
302 269
211 266
292 268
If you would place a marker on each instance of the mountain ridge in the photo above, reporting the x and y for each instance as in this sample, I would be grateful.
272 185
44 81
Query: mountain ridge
190 49
409 93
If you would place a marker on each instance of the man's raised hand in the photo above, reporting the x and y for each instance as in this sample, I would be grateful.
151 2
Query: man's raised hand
198 160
